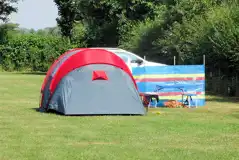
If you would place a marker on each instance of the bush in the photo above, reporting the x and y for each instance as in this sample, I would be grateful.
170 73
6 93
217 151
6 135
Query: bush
214 34
141 39
31 51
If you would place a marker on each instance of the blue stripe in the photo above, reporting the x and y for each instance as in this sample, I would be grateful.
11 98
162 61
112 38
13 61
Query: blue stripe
178 83
187 86
179 69
200 103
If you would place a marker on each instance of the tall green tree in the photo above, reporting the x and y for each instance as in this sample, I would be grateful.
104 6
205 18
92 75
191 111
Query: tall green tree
67 11
7 30
6 8
150 37
107 20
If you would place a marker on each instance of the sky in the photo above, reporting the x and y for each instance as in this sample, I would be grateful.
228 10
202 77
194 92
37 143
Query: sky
35 14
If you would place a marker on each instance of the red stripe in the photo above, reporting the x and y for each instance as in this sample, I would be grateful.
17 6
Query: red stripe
87 57
54 65
168 79
174 93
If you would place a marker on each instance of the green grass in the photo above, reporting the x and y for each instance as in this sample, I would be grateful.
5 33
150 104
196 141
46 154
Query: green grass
210 132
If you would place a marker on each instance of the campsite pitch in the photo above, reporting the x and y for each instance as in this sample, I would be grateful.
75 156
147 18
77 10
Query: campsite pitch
205 133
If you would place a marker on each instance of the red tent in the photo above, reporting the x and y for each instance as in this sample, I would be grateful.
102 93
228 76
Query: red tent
90 73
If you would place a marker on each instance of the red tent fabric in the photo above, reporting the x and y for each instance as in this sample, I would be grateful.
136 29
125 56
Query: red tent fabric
53 66
86 57
99 75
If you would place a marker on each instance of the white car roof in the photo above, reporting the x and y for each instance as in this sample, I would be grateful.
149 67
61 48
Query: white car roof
122 50
118 49
108 48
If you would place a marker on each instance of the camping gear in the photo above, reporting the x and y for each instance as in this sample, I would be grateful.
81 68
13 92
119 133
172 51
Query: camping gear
90 81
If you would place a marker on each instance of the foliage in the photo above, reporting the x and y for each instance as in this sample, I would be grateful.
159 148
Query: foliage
107 20
159 29
54 31
7 31
214 34
6 8
79 34
32 51
67 13
146 36
141 37
189 30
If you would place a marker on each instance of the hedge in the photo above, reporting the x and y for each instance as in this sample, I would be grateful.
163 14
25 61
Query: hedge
32 52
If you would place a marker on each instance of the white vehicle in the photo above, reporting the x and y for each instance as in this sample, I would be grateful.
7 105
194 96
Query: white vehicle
131 59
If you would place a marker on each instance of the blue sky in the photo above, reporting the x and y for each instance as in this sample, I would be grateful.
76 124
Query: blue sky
36 14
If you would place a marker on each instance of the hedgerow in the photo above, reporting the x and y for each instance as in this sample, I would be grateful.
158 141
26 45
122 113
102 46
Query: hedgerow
32 52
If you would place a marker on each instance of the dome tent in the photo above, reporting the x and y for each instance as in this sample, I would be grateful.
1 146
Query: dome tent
90 81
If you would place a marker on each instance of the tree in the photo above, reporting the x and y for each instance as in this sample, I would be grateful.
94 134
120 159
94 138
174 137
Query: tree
7 31
163 37
212 31
107 20
67 10
6 8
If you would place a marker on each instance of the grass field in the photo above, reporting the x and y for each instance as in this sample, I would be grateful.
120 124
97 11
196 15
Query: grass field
206 133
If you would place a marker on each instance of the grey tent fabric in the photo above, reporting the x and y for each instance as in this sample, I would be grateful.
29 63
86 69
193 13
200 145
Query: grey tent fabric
77 94
46 92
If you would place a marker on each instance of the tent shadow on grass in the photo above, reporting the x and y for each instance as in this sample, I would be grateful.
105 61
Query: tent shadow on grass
81 115
48 112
